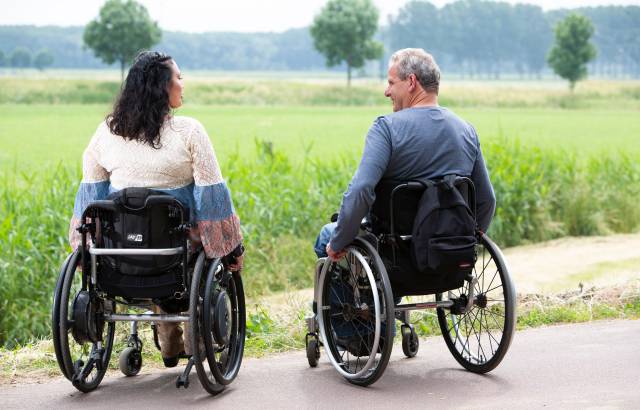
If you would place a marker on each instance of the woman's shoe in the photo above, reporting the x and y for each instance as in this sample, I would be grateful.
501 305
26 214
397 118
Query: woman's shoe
173 361
170 361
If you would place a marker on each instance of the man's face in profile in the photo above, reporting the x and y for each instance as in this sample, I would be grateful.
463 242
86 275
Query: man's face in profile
397 89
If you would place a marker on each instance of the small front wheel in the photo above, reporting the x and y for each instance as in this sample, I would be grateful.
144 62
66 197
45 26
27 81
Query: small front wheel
130 361
313 352
410 341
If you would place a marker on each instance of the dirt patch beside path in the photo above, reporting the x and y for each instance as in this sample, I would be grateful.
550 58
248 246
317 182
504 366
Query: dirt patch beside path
563 264
548 267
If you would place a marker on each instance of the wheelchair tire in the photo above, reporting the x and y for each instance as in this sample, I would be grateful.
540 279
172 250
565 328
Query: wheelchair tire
199 354
410 341
55 315
130 361
313 352
359 272
480 337
224 322
72 356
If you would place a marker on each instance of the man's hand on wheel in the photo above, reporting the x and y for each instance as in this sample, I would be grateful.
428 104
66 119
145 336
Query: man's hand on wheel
333 255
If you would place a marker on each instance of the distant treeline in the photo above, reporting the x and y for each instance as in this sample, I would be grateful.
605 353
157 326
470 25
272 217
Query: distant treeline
468 37
489 38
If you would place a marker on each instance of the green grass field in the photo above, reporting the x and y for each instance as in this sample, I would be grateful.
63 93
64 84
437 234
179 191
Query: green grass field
35 136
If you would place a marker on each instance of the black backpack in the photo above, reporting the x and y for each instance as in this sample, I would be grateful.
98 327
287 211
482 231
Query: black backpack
443 236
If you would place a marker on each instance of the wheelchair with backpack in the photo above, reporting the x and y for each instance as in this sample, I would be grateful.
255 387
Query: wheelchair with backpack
411 247
135 253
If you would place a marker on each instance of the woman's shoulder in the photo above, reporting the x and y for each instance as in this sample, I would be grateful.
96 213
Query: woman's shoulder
102 133
190 129
184 123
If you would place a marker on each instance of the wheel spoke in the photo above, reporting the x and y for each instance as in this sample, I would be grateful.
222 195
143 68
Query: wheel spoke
492 289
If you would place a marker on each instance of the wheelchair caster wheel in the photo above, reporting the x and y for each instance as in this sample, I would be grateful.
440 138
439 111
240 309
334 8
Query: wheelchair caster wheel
313 352
410 341
130 361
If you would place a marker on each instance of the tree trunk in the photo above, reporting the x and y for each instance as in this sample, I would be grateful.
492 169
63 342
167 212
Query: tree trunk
122 71
348 75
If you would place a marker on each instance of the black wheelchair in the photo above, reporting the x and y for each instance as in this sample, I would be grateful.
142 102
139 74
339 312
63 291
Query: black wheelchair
135 253
356 299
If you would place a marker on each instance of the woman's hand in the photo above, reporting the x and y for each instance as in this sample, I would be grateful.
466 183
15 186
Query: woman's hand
237 265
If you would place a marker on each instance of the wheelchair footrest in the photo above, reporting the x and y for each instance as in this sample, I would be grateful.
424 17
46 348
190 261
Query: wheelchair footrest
183 379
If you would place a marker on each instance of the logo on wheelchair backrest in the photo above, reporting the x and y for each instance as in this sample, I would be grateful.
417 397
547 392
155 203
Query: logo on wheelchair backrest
134 237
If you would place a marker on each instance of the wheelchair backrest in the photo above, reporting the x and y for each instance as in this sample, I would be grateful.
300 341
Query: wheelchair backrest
396 204
138 218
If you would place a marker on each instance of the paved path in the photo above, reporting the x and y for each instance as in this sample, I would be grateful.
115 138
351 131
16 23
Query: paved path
591 365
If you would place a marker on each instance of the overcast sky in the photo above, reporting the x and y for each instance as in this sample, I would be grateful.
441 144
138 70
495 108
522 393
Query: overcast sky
217 15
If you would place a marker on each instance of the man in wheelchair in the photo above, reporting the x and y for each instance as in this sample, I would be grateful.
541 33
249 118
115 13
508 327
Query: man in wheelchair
421 142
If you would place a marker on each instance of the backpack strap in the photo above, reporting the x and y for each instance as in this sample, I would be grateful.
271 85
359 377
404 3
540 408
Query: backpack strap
449 181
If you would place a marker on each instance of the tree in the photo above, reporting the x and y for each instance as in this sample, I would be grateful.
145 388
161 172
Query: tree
416 25
43 59
20 58
2 59
572 49
122 29
343 31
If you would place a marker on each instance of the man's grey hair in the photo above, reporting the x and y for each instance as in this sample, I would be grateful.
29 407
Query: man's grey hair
417 61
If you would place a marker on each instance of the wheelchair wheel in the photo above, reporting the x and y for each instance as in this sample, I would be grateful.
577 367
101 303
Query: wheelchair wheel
313 352
480 337
410 341
224 322
82 350
130 361
218 324
355 302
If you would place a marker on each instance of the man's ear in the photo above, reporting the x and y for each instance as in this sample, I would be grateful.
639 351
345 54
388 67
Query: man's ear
413 82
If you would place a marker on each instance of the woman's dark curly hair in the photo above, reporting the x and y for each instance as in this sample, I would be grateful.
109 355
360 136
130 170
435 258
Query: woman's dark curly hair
143 103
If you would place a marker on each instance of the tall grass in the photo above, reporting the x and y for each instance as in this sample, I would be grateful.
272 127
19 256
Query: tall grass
589 94
542 194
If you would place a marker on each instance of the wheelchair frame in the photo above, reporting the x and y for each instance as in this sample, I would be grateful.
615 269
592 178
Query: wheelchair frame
106 313
317 333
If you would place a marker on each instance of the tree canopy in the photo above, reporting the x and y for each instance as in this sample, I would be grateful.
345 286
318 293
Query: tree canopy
122 30
43 59
343 31
520 38
572 49
20 58
474 37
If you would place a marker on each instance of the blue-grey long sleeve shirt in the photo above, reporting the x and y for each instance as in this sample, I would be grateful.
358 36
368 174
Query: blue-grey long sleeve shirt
414 144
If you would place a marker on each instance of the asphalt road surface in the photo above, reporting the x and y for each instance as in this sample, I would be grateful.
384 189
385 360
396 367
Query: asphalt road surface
591 365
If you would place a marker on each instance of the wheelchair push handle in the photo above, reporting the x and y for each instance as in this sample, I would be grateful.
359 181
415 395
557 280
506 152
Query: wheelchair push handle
150 201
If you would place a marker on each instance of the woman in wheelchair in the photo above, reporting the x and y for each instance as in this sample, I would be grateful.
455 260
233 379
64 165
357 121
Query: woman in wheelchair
153 227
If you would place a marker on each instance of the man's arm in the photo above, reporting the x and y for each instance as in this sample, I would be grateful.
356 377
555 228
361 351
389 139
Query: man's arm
360 195
485 197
